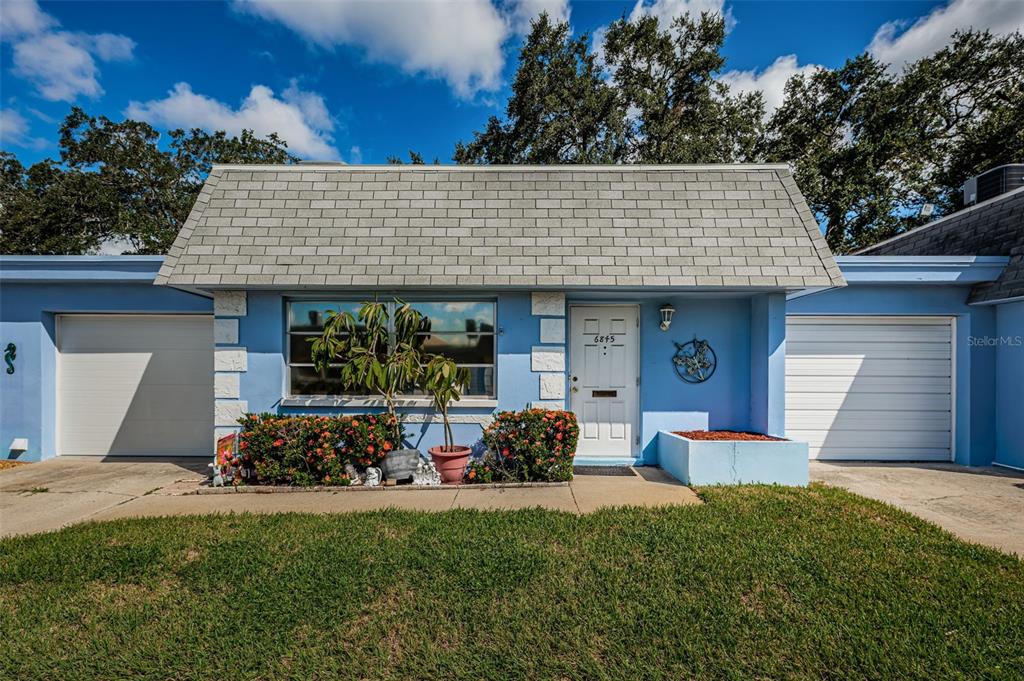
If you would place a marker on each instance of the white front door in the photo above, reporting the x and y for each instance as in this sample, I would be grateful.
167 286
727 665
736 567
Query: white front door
603 378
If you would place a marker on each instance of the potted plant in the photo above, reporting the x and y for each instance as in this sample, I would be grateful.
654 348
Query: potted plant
445 381
377 359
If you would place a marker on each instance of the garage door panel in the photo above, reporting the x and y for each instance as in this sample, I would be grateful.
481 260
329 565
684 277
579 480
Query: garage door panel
874 333
174 402
857 401
888 453
135 385
848 419
874 350
870 388
885 384
864 366
855 438
112 333
166 367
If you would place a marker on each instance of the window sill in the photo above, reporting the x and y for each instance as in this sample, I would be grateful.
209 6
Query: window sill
376 402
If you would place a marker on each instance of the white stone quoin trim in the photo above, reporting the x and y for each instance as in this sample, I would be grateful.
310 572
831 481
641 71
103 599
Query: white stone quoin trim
230 361
552 331
225 331
552 386
227 385
548 359
229 304
547 304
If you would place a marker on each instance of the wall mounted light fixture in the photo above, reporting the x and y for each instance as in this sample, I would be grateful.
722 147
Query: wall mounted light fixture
666 316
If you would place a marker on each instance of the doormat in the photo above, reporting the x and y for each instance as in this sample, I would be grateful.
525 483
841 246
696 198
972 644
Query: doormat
604 470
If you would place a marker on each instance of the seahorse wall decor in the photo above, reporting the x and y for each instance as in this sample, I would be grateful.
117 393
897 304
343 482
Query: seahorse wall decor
10 353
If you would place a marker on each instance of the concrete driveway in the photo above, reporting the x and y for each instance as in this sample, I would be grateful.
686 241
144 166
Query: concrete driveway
983 505
47 496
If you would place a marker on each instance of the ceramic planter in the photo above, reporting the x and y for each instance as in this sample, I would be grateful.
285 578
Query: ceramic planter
451 464
400 464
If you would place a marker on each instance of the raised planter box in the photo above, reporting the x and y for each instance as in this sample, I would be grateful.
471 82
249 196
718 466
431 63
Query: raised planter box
733 462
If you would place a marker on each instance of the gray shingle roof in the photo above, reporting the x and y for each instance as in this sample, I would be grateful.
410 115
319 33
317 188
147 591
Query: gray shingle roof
519 226
994 227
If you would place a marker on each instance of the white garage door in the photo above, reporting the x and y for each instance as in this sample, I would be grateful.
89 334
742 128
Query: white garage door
135 385
875 388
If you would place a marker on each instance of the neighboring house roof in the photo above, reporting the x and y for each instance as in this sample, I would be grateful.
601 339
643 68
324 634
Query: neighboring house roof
993 227
394 226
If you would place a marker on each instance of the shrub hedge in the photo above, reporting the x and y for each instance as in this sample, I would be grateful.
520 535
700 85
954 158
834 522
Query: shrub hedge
535 445
310 450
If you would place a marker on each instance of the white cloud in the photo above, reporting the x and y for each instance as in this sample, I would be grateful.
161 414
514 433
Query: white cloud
667 10
299 117
898 45
459 41
14 131
24 17
355 155
770 81
61 64
521 13
110 46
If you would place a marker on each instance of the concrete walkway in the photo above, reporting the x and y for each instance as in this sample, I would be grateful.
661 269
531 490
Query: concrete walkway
63 491
983 505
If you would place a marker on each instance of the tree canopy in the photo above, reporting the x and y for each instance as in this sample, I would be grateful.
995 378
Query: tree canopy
115 183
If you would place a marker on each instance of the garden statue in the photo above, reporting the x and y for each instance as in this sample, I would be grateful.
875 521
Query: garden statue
372 477
218 479
426 474
353 475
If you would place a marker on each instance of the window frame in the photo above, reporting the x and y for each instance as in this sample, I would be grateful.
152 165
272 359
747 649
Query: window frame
412 300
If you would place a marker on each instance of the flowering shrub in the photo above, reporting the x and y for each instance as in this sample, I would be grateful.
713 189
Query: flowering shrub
535 445
310 450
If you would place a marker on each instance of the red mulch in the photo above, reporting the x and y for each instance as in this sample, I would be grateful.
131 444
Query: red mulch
11 464
725 435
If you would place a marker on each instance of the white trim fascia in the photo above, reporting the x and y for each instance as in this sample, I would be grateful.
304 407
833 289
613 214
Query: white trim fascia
810 292
921 269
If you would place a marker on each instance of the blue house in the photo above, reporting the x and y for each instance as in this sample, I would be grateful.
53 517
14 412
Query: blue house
641 298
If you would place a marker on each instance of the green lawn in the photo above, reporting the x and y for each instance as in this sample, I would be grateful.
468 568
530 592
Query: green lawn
758 583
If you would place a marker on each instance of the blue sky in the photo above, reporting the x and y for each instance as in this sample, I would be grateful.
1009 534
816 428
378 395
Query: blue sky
361 80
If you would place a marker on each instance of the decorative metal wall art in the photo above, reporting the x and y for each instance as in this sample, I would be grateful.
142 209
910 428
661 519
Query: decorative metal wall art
10 354
694 361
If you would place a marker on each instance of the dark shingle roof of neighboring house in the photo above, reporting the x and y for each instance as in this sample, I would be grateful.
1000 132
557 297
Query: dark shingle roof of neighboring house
513 226
994 227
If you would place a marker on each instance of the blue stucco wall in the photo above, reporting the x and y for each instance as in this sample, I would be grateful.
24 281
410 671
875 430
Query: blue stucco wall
28 319
1010 384
975 365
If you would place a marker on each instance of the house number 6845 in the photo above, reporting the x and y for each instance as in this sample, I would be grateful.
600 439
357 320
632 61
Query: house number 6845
604 339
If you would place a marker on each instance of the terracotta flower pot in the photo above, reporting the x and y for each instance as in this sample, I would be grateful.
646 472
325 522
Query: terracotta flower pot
451 464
